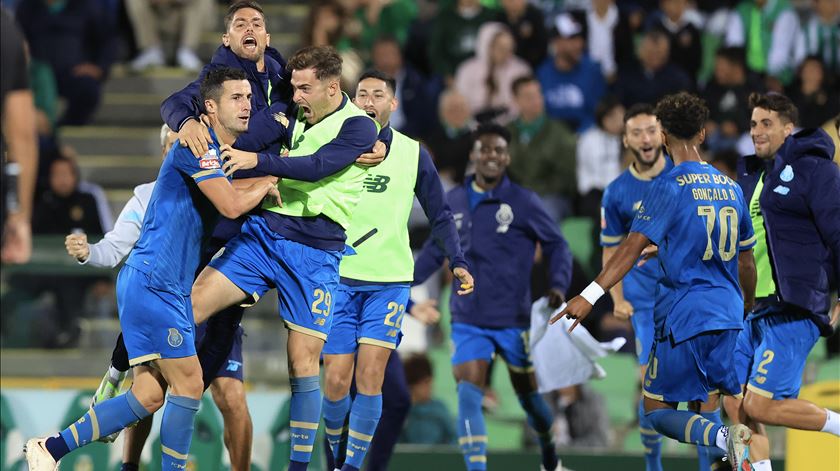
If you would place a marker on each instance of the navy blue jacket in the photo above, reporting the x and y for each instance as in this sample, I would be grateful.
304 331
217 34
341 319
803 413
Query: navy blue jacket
261 135
801 207
499 238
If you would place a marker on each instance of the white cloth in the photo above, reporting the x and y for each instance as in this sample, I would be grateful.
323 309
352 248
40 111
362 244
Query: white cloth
563 359
600 38
118 242
598 159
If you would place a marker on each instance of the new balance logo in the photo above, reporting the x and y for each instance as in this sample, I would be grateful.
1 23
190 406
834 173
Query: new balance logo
376 183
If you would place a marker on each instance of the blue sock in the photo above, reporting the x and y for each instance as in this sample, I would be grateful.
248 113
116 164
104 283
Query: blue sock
651 440
104 419
304 416
176 431
364 417
335 417
685 426
707 455
472 434
540 419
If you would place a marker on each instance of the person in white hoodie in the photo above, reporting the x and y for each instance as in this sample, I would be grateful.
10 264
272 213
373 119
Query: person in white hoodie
486 79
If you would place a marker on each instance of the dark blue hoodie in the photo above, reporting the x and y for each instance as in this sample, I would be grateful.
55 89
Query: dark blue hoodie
801 207
499 236
265 100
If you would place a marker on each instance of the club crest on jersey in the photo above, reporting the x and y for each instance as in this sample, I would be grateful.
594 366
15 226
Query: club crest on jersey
504 217
209 160
282 119
174 339
787 174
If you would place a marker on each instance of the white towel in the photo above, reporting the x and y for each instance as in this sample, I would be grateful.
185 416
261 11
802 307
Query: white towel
562 359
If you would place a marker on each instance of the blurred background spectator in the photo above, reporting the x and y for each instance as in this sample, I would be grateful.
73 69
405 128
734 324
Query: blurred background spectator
451 140
726 96
571 81
485 80
183 20
813 94
683 28
820 36
77 40
429 421
64 207
655 76
454 36
527 24
609 36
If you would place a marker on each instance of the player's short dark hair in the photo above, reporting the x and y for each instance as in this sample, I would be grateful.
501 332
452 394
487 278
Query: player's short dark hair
417 368
682 114
391 82
520 82
324 59
213 82
775 102
238 5
638 109
484 129
735 55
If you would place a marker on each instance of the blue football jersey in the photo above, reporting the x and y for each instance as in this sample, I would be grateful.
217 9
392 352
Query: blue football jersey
179 219
622 199
699 219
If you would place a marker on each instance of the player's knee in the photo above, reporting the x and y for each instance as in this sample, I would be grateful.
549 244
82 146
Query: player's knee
337 382
303 365
150 399
191 385
369 377
230 400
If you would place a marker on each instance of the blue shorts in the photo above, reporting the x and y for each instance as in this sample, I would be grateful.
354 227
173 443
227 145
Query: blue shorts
643 329
366 314
232 366
771 352
155 324
692 369
259 259
482 343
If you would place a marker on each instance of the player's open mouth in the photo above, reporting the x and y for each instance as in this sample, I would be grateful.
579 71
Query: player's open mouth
372 114
249 42
647 150
492 165
306 110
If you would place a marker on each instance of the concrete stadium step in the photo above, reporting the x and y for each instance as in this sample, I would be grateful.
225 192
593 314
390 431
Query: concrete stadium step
135 109
119 171
158 80
113 140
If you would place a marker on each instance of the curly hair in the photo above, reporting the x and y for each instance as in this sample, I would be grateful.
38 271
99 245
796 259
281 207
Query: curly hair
682 115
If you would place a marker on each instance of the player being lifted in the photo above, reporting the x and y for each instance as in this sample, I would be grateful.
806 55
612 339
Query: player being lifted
153 288
699 220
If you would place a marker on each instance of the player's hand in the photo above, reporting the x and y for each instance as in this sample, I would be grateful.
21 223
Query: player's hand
273 192
555 298
195 135
467 283
77 246
17 240
835 315
426 312
234 159
647 253
374 157
623 309
577 309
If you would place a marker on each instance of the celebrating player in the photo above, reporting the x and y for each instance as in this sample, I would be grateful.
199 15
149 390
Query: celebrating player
153 289
699 220
499 224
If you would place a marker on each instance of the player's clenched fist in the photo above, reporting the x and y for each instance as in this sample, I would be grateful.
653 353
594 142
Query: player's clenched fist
77 246
577 309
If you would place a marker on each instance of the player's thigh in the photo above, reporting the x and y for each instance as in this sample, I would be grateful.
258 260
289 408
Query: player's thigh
780 357
370 368
338 374
229 395
745 345
183 375
346 312
474 350
212 291
303 351
382 315
514 346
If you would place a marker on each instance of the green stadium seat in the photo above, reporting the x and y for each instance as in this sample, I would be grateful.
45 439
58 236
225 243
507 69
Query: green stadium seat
11 440
578 233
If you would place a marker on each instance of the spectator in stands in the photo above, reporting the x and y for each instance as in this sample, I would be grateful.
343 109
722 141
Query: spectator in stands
815 99
103 208
527 24
727 98
820 36
77 40
542 150
417 95
45 93
185 19
599 152
454 36
486 79
63 208
571 81
416 48
766 29
429 422
609 37
654 77
324 24
371 19
451 141
683 28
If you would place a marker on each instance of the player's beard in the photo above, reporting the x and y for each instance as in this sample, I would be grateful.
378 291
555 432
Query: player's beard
642 162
